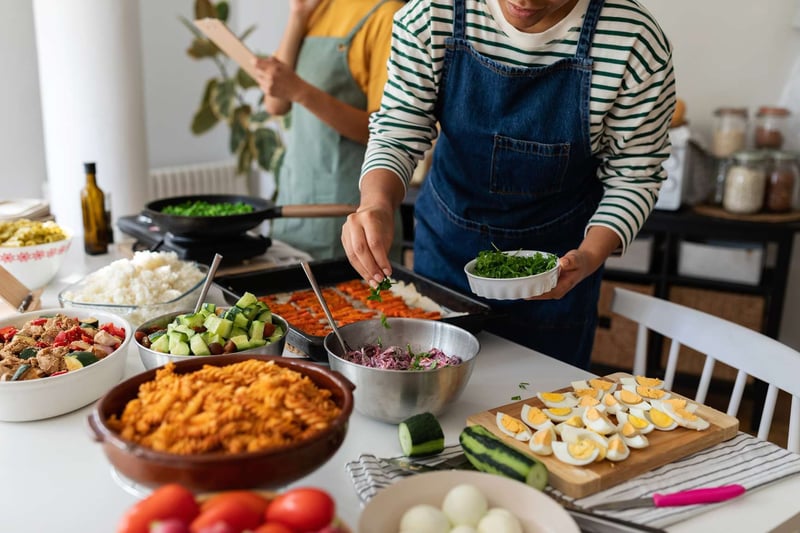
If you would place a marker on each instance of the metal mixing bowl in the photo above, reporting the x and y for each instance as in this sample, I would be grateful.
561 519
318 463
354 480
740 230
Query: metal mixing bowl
394 395
153 359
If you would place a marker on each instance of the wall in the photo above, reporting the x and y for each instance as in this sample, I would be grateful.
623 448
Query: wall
727 52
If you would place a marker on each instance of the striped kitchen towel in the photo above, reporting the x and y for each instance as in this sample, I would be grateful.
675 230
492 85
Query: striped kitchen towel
743 459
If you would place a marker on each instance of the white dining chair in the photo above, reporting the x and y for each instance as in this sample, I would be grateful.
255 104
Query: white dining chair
748 351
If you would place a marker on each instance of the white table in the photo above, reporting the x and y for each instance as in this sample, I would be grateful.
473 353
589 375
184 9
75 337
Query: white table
54 477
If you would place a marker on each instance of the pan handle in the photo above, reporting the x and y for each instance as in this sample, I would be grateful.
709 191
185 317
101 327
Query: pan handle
314 210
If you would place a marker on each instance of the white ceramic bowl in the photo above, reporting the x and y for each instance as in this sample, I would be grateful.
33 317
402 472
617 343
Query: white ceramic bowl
35 265
55 395
512 288
537 512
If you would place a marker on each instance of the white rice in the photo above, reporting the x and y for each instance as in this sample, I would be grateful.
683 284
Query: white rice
146 279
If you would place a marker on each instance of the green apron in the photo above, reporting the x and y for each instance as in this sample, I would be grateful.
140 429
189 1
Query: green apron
322 166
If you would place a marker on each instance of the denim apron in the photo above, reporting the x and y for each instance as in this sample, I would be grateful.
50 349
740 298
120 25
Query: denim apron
513 168
321 166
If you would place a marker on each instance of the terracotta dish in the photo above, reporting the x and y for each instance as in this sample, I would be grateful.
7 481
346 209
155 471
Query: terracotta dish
268 469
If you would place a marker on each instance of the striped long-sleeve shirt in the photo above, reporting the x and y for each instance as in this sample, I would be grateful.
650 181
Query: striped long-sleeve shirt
632 93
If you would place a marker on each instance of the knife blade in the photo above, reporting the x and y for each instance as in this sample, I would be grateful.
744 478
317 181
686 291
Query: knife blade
685 497
457 462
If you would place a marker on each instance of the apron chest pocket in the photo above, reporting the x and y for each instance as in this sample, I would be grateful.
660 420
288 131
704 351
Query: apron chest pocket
527 168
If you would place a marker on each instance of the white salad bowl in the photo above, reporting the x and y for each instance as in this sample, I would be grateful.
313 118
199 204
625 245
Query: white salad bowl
46 397
512 288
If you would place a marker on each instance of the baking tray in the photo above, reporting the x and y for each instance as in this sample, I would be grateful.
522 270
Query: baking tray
332 271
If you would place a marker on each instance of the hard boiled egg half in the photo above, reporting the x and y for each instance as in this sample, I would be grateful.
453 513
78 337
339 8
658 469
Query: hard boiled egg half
542 440
683 416
513 427
535 417
557 399
653 383
617 449
580 447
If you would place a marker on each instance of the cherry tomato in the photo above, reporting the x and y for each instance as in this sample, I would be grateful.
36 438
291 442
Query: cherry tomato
273 527
234 513
302 509
166 502
252 499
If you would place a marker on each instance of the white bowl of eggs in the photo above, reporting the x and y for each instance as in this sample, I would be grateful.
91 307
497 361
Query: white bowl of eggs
463 501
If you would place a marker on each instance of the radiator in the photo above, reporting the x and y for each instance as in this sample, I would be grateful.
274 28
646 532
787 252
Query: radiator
206 178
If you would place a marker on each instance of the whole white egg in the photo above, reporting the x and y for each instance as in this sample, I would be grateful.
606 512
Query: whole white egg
424 518
465 504
499 520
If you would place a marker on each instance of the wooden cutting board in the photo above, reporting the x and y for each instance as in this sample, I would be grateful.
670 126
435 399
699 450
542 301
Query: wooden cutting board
581 481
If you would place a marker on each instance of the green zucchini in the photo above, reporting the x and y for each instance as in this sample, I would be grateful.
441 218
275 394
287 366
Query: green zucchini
420 435
488 453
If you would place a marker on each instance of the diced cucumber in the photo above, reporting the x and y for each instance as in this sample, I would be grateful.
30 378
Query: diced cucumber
86 358
265 316
180 348
246 300
186 330
218 325
209 308
256 330
421 435
240 321
192 320
161 344
277 334
255 343
241 342
199 346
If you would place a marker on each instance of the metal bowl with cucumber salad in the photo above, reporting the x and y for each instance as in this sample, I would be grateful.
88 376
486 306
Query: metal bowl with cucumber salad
394 395
246 327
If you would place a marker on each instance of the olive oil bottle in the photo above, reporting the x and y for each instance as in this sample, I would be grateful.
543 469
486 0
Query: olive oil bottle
96 228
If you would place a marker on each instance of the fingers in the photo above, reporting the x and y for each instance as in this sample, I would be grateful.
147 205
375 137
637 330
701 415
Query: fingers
366 244
571 274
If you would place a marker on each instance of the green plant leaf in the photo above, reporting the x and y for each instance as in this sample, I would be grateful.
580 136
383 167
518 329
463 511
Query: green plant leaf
246 33
191 27
202 48
223 10
260 116
267 141
204 9
244 80
244 159
240 127
204 118
223 98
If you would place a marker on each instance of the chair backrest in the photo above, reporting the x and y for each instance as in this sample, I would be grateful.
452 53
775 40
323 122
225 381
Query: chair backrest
747 351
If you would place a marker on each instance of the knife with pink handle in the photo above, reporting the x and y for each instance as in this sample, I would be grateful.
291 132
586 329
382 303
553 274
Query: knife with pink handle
685 497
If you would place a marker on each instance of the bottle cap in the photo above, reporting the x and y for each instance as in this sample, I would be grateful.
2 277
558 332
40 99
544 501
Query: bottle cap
89 168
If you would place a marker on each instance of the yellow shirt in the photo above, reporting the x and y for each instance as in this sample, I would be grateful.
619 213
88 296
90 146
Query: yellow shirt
369 50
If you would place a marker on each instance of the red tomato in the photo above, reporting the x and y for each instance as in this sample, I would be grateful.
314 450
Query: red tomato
273 527
239 516
252 499
302 509
166 502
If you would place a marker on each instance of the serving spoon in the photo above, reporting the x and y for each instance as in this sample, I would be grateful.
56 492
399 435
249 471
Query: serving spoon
328 315
209 280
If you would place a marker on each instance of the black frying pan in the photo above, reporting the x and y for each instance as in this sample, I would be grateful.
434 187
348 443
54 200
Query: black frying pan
228 225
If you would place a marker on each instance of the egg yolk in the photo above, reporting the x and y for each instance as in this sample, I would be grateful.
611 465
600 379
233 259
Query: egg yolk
637 422
684 414
648 382
553 397
588 401
543 437
660 418
574 421
648 392
600 384
592 413
581 448
585 392
536 416
609 400
616 445
515 426
629 397
677 403
561 411
628 430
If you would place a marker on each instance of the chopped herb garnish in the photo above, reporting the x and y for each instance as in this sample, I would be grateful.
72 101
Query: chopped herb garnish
524 385
516 398
496 264
385 323
375 294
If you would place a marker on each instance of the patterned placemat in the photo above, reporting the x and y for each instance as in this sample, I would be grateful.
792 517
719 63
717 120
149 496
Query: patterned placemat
743 460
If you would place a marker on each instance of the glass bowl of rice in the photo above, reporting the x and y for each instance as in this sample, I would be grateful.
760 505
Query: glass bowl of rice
147 285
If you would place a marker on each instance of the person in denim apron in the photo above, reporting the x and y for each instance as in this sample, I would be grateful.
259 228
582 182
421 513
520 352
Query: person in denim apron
513 169
324 151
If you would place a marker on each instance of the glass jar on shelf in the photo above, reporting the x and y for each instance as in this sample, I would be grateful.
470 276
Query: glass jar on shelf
771 125
745 182
783 182
730 131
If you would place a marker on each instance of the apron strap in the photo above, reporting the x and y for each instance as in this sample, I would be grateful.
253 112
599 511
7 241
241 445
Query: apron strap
459 18
587 30
363 21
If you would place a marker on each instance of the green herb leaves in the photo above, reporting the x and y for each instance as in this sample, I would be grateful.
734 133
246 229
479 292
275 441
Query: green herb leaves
375 294
496 264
